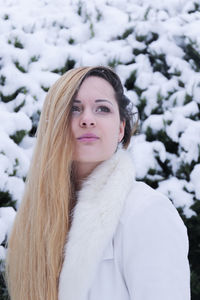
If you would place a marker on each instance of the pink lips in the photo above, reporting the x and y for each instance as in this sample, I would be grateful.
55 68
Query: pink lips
88 137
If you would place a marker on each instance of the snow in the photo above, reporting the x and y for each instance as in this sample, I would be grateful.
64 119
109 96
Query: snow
12 122
144 79
2 231
173 188
179 125
139 37
155 122
189 142
143 155
7 216
152 95
187 110
15 161
2 253
195 175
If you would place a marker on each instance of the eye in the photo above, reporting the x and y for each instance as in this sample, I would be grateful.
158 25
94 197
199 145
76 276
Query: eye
103 109
75 109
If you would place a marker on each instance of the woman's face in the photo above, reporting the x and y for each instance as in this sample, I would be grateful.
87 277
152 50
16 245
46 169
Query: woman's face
95 122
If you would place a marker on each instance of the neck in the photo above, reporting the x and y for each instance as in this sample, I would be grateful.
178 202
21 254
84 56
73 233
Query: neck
82 171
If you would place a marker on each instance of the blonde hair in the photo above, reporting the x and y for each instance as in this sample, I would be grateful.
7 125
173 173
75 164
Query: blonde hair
35 247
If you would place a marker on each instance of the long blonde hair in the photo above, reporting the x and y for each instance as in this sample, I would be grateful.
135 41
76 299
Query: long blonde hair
35 247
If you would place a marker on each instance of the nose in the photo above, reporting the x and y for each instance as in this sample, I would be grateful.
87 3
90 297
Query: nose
87 120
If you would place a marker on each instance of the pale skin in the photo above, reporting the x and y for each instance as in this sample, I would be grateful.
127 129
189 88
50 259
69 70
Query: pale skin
95 124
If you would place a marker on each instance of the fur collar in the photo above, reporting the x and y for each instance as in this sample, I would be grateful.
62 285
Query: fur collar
96 216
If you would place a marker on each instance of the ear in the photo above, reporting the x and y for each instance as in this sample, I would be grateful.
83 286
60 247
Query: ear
121 130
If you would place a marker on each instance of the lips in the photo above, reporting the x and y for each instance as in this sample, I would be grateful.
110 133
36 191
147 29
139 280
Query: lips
88 137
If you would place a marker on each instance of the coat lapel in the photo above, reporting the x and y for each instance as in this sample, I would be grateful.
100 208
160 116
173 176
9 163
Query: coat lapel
96 215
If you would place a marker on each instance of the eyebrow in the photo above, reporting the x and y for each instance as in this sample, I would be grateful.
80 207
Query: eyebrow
97 101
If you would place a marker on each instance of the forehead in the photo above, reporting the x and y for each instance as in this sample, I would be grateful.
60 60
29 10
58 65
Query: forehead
94 87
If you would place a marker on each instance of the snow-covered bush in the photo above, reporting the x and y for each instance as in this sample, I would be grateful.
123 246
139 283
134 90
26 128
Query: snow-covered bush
153 45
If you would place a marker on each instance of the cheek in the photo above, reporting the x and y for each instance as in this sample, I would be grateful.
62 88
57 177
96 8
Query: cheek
112 131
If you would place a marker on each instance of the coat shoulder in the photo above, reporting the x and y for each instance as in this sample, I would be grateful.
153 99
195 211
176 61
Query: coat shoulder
153 246
144 201
142 197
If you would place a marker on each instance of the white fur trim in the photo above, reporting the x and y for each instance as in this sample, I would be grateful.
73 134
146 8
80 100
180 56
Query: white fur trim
96 215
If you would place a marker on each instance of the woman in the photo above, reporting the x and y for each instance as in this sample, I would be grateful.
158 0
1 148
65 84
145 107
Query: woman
86 230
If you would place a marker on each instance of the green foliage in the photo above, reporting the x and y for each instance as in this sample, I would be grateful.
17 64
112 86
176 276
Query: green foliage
147 39
176 73
0 63
156 175
126 33
35 120
18 136
99 14
195 117
193 228
188 99
6 199
71 41
191 51
165 166
34 58
150 181
130 82
140 107
137 51
15 167
147 13
113 63
79 11
181 83
45 88
140 38
92 34
69 64
161 135
3 290
6 17
11 97
17 108
195 9
195 285
158 110
159 64
16 43
2 80
184 170
152 171
19 67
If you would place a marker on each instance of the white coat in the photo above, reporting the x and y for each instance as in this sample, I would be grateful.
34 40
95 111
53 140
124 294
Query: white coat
126 242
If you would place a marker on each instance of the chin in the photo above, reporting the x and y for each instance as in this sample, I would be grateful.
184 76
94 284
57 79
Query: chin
95 160
91 160
93 156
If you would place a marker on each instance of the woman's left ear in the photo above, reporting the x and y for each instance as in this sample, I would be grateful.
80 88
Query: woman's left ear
121 130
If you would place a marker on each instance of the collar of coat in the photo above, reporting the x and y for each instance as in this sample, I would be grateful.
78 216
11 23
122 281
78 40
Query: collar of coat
95 218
